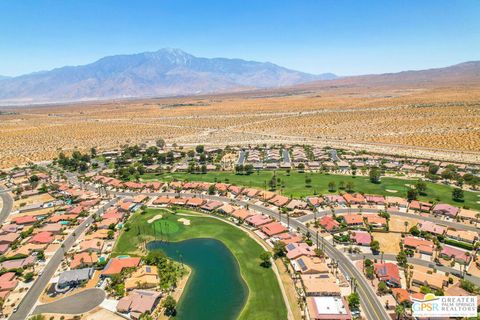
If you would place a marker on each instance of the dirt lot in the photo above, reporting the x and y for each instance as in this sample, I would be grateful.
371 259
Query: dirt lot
33 199
397 224
389 242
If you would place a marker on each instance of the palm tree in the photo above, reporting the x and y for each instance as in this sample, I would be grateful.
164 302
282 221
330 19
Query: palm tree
406 226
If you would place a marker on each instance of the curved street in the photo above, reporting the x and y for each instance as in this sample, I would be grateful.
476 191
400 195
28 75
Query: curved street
78 303
7 204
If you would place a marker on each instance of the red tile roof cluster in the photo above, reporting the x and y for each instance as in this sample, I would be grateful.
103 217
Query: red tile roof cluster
116 265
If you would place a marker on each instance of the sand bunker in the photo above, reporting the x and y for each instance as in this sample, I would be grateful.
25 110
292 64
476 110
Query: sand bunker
157 217
185 222
391 191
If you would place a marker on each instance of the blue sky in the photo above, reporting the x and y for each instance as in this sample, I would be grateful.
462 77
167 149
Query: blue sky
344 37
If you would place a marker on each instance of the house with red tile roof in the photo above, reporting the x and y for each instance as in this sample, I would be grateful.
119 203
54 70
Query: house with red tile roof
352 219
221 187
7 283
296 250
362 238
179 201
83 259
445 209
431 227
43 237
334 199
462 235
419 244
273 228
235 190
416 205
9 238
138 302
375 221
258 220
161 200
4 248
140 198
250 192
459 255
279 200
212 205
133 185
354 199
375 199
242 214
93 245
195 202
401 295
315 201
116 265
24 220
289 237
126 206
328 223
389 273
113 213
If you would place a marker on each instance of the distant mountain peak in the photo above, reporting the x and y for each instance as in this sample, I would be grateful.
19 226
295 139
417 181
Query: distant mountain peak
165 72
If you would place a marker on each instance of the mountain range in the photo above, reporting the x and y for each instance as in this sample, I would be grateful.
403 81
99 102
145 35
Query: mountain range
166 72
173 72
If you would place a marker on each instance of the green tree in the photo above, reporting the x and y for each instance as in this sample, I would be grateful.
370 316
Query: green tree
353 301
421 187
457 195
265 257
375 246
170 306
200 148
278 250
400 311
160 143
332 186
374 175
412 194
382 287
402 259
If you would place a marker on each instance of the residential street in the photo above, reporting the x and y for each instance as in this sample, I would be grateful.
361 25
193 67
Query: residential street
7 202
75 304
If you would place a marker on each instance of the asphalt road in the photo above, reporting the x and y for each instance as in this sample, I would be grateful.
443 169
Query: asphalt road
370 303
451 224
30 299
75 304
7 202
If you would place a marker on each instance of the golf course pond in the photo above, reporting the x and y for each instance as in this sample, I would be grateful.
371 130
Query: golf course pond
216 289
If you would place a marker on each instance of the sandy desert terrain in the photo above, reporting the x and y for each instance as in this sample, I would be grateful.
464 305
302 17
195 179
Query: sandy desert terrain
434 122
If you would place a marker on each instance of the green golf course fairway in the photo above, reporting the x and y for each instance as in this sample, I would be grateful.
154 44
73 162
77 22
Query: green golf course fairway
264 301
293 184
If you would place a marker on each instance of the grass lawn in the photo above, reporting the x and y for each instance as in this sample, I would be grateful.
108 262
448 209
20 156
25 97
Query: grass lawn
265 299
293 184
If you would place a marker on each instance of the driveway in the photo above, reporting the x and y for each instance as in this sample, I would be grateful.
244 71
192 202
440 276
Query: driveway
75 304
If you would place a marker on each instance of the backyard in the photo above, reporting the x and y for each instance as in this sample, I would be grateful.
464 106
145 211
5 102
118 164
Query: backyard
265 299
293 184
